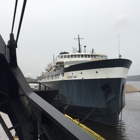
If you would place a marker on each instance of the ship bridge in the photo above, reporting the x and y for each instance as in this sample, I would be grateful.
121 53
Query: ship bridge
75 58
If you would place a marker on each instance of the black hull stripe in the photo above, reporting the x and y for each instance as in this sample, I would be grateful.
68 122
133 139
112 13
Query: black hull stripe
100 64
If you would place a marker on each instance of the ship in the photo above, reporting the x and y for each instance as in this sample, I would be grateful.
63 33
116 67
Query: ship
91 86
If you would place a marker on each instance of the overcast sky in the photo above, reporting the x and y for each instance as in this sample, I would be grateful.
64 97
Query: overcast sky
49 27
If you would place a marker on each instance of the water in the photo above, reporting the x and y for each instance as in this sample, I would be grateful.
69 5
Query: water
129 124
128 127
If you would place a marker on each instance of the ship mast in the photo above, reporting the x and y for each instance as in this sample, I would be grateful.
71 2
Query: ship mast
79 43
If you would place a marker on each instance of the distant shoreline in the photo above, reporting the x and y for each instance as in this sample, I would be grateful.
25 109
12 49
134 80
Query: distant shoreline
133 78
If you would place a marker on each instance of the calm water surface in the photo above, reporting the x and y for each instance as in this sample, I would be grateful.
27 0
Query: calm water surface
128 127
129 124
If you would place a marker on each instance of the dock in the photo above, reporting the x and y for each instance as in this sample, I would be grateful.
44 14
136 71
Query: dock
131 89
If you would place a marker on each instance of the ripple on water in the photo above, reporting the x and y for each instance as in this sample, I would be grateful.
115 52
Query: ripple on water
128 127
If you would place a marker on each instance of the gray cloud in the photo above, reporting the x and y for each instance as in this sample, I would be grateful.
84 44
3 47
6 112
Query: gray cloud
121 21
51 29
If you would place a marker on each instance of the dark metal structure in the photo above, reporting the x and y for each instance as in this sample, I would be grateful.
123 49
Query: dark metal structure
32 117
79 43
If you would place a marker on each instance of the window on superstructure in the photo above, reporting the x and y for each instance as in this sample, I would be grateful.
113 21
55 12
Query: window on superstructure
102 57
71 56
81 56
61 56
68 56
88 56
85 56
78 56
91 56
74 56
64 56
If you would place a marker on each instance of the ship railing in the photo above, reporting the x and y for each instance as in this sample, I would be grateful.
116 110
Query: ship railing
37 86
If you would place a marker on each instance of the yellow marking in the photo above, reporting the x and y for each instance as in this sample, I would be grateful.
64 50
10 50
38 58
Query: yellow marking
85 128
16 138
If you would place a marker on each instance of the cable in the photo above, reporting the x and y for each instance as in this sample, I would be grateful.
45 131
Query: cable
14 16
21 17
94 107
